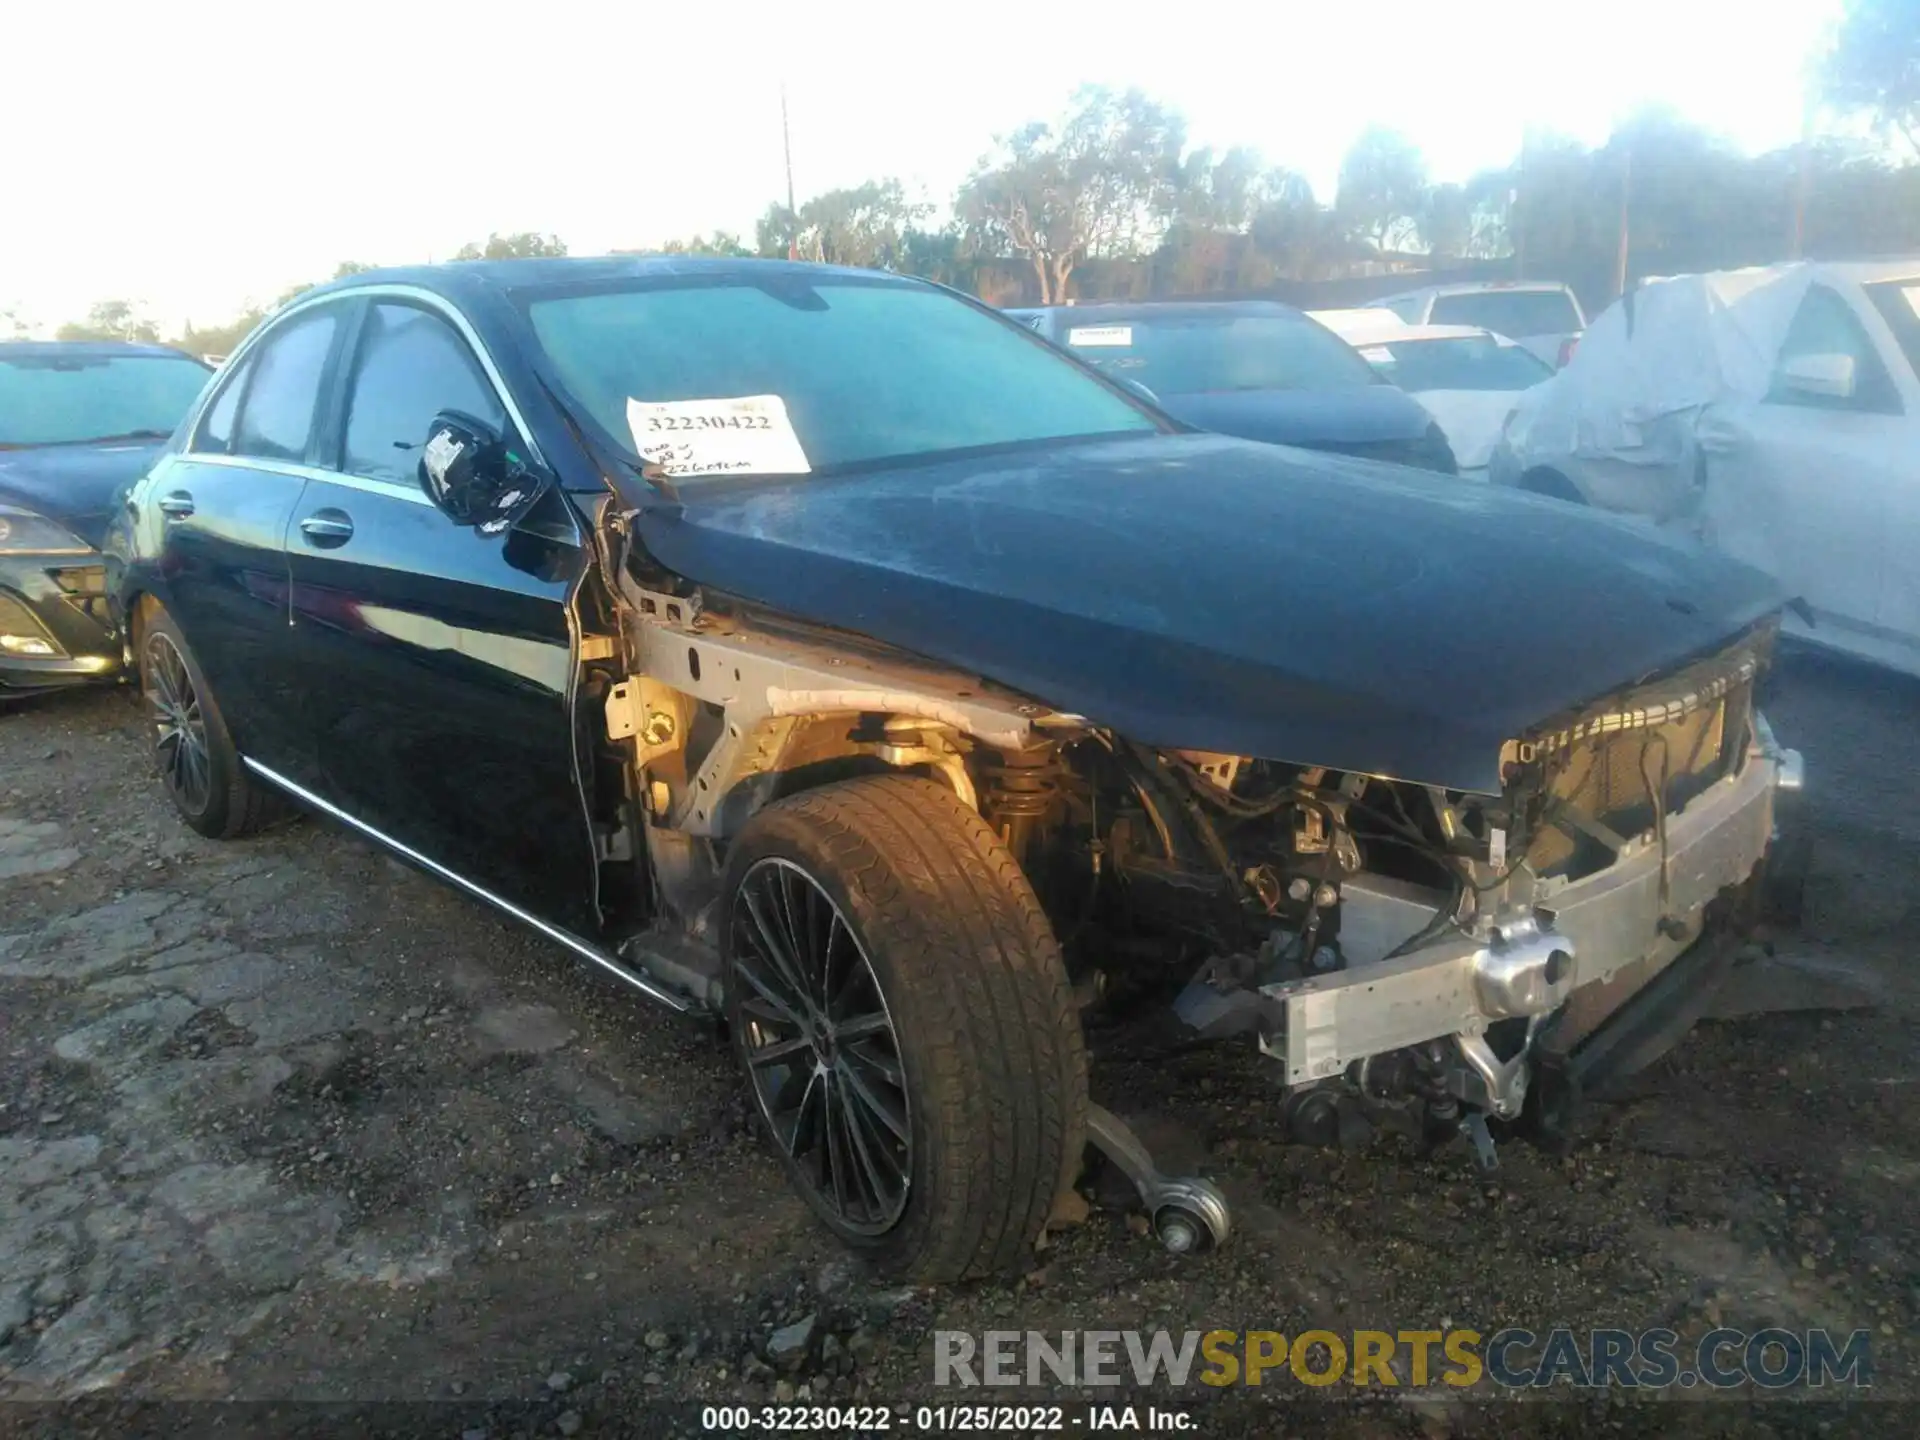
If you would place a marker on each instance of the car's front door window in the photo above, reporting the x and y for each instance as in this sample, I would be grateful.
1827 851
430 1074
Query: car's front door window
216 426
283 392
1826 325
412 365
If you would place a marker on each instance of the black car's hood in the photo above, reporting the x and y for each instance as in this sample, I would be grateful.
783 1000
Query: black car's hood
73 484
1351 415
1206 593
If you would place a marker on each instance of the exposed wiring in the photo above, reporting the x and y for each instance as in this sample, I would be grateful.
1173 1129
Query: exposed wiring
1236 805
1657 797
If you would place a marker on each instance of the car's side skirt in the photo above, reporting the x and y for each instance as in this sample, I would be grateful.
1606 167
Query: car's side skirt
585 949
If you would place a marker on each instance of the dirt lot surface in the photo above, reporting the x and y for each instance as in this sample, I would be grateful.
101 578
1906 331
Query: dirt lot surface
284 1121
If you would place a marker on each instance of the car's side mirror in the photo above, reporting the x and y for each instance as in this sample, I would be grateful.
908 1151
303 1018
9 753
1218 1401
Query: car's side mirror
1827 377
473 475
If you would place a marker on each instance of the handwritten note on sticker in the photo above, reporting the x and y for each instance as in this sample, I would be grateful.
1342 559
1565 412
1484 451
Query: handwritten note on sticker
1100 335
750 435
1376 354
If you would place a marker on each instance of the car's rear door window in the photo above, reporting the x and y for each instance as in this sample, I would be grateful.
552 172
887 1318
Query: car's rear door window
412 364
277 411
1516 313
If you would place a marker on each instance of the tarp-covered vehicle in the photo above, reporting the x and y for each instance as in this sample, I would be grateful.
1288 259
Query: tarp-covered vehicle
1774 414
820 650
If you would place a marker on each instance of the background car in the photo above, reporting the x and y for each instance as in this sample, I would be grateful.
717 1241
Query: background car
77 422
1543 316
1469 380
1256 369
1774 413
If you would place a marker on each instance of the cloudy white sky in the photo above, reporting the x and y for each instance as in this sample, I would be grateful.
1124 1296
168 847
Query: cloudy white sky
195 155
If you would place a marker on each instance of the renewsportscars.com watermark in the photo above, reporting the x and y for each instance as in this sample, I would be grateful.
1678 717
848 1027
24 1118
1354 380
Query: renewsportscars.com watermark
1513 1358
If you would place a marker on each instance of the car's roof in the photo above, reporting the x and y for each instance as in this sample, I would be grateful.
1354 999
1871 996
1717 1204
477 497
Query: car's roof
92 349
1444 332
1122 309
1859 272
1865 271
1476 287
1372 326
522 276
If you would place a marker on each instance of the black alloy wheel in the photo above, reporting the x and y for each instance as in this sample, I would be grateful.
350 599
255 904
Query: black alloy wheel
820 1047
179 723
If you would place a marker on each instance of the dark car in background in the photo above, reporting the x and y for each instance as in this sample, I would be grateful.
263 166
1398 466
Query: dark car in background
78 422
1254 368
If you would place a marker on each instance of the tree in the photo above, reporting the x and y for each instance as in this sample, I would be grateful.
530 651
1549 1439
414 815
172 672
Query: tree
521 245
1383 189
943 256
1211 242
1088 187
111 320
1875 64
1301 238
720 242
858 226
1446 222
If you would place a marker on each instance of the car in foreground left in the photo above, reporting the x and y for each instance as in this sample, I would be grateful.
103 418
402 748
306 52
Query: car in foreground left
79 420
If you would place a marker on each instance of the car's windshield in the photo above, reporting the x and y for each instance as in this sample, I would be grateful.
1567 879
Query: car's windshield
1466 362
51 398
1898 302
866 370
1186 352
1519 313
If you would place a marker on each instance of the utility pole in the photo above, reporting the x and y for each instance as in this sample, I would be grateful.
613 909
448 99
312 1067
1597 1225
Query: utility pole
786 144
1518 231
1626 205
1803 180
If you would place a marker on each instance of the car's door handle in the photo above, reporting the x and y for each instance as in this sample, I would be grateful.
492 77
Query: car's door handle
327 527
177 504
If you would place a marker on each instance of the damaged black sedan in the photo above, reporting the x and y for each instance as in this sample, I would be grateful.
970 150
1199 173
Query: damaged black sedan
818 650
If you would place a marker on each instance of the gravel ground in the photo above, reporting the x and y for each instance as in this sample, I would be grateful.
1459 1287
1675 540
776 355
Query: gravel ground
283 1121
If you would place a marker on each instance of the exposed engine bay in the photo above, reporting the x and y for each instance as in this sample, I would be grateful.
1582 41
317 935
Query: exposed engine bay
1404 951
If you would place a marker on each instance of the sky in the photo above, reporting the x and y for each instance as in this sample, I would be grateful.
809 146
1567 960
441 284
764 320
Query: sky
199 155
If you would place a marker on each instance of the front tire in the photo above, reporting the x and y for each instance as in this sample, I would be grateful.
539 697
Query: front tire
898 1002
195 754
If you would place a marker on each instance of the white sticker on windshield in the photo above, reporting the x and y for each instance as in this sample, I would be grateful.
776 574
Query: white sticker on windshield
1376 354
1912 292
750 435
1100 335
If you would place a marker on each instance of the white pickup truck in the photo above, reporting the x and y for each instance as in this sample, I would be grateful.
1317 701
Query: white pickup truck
1775 413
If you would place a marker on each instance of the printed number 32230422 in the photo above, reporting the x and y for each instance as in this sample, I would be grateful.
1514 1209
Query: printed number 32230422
662 423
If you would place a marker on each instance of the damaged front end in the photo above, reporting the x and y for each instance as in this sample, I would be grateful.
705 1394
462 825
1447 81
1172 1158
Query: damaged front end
1432 954
1414 958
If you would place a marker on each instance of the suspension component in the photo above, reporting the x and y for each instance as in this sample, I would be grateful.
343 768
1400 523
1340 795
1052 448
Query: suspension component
1018 788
